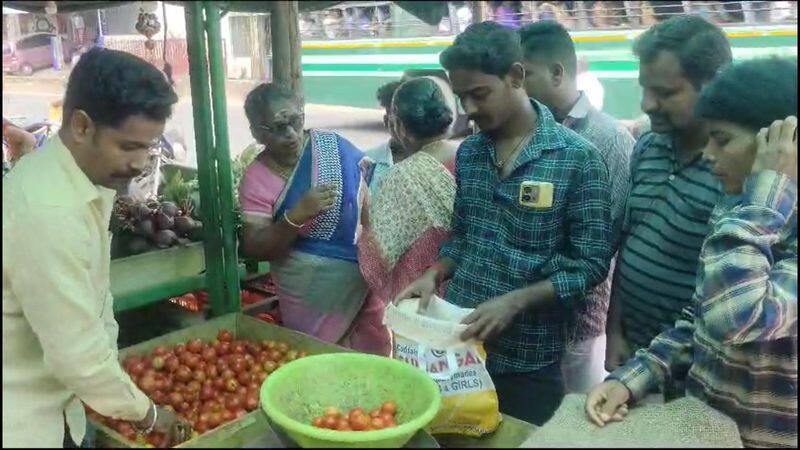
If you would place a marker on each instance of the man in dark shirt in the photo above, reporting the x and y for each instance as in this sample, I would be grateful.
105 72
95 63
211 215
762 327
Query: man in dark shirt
673 190
531 225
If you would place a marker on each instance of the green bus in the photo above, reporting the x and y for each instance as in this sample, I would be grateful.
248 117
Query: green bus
348 72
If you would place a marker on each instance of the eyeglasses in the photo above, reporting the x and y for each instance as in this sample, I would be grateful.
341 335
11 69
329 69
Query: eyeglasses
295 123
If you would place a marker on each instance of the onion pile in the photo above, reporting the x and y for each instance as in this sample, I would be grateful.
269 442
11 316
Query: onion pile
207 383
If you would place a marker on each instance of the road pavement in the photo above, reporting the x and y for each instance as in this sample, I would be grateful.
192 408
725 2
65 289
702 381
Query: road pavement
30 97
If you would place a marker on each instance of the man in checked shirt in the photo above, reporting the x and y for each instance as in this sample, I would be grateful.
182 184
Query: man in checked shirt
531 225
550 77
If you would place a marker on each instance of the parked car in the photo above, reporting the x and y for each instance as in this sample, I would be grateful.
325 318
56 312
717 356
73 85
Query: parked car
33 52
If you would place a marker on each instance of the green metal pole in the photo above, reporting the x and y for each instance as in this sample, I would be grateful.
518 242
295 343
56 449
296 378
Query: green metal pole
206 168
232 302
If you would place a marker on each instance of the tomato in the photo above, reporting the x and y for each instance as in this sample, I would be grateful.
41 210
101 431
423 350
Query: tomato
389 407
249 361
158 363
158 397
228 374
386 416
343 425
330 422
251 402
219 383
238 367
224 348
147 361
240 413
360 422
195 346
283 347
201 425
224 336
302 354
238 348
390 423
270 345
251 347
172 363
270 366
231 385
275 355
137 368
157 440
185 406
233 403
318 422
378 423
355 412
207 393
332 411
147 384
211 371
228 416
209 355
180 349
199 375
193 386
291 355
244 378
175 399
374 413
261 377
242 390
183 374
214 419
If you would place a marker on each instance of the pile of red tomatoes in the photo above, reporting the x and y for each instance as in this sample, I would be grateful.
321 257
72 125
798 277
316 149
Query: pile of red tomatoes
358 419
207 383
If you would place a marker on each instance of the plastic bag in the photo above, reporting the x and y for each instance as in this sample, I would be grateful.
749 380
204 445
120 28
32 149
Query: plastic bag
431 342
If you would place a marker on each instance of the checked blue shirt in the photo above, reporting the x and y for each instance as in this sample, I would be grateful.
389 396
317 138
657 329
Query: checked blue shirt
500 245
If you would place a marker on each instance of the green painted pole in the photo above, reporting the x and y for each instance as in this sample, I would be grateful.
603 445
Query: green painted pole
232 302
206 167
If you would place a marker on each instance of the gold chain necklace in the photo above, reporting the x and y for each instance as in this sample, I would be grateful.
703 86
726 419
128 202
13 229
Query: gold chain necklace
281 170
501 164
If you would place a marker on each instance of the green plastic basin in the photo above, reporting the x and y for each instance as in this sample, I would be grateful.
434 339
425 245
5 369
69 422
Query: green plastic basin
300 391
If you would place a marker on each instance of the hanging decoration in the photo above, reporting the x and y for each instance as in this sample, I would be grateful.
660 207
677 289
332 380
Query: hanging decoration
148 25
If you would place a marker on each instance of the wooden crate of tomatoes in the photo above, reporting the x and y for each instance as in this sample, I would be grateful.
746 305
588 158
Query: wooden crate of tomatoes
211 374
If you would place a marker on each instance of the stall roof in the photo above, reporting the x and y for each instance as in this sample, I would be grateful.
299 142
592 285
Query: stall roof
430 12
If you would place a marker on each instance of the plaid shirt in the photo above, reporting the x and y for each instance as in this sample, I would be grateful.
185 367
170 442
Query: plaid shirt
736 346
500 246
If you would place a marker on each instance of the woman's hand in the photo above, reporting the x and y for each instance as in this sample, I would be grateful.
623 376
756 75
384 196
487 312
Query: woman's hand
777 148
315 201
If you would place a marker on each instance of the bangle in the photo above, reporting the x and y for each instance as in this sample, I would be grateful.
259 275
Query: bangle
286 218
152 426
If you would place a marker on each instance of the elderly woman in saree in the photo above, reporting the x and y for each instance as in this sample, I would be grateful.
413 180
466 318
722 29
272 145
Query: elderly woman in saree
301 203
409 216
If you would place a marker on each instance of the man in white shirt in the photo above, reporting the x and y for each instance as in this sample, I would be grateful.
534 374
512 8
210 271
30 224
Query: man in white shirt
59 331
